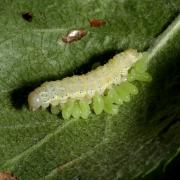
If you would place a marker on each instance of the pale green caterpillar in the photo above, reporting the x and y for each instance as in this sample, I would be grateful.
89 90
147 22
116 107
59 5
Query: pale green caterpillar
102 89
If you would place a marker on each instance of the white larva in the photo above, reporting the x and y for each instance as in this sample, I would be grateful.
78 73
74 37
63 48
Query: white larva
84 86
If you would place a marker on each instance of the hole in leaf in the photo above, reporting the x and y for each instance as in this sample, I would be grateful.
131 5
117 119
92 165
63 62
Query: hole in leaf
27 16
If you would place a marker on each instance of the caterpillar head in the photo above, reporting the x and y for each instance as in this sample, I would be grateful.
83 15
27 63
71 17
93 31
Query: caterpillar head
34 101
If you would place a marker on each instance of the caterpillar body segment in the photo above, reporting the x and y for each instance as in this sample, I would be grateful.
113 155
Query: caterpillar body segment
102 89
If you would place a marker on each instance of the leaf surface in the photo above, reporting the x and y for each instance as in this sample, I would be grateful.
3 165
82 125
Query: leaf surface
145 133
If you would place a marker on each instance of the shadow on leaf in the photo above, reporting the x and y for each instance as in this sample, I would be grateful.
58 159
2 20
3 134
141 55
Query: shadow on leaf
19 96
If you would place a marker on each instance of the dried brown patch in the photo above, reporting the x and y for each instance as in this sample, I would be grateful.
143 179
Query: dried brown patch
97 22
7 176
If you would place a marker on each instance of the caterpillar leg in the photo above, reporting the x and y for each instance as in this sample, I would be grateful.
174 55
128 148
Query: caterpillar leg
85 109
98 104
123 94
67 109
114 97
55 110
76 113
109 107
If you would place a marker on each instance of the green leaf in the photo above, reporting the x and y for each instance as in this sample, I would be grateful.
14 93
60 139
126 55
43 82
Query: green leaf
145 133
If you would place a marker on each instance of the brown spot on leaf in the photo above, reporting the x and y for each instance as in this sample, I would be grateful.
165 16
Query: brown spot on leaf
74 35
7 176
97 22
27 16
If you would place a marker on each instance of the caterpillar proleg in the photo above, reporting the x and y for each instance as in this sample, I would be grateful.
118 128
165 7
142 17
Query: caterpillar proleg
101 89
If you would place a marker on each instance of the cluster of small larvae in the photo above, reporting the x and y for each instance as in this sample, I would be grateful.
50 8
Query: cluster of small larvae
102 89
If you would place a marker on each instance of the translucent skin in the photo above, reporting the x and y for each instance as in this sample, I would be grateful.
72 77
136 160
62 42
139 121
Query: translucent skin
100 90
34 101
116 95
84 86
